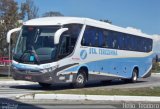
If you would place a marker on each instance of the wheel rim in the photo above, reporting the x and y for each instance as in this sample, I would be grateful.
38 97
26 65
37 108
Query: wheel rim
135 77
80 79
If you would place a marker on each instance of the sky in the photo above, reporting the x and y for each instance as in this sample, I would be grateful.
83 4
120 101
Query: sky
140 14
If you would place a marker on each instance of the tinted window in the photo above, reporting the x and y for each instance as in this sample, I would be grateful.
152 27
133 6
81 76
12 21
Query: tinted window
68 40
109 39
101 38
97 37
93 37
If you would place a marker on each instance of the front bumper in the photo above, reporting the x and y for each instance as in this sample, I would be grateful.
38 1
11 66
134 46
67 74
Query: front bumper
49 77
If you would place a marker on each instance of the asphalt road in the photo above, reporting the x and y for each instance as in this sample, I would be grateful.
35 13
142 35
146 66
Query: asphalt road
13 104
11 90
56 104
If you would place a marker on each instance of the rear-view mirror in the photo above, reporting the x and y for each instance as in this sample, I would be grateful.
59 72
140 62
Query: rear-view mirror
58 34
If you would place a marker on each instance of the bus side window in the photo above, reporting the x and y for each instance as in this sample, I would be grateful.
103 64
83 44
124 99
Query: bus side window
123 41
135 43
66 45
132 42
63 45
68 40
126 42
139 44
93 37
119 41
86 37
144 45
101 38
90 37
115 42
105 35
109 39
149 47
97 38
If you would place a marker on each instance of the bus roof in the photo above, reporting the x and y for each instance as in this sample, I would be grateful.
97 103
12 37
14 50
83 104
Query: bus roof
48 21
54 21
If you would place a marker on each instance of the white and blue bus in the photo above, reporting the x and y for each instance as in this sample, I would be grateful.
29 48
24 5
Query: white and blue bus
77 50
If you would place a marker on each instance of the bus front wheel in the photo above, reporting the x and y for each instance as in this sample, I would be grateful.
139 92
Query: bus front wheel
80 79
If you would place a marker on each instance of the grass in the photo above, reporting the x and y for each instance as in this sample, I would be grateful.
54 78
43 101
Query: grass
153 91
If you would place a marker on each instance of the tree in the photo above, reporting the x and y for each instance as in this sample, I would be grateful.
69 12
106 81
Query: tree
8 17
28 10
52 13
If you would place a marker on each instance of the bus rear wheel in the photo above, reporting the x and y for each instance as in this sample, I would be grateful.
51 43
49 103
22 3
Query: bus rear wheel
80 79
134 77
45 85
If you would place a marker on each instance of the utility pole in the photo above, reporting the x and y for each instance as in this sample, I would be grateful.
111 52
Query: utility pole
9 67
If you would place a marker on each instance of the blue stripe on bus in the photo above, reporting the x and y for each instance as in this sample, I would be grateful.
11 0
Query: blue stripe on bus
122 66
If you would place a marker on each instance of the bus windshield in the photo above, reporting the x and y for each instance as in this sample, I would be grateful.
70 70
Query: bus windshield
36 44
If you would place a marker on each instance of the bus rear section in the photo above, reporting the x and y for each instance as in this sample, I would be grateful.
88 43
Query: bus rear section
107 55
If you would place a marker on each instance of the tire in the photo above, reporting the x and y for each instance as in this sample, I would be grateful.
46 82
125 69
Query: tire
134 77
80 80
45 85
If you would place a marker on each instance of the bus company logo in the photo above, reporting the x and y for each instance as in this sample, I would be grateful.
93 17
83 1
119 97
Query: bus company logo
83 54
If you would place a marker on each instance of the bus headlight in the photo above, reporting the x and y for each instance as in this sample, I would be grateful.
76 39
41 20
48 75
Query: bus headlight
50 69
44 71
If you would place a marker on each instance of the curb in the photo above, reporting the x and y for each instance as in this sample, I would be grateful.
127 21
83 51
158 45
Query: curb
18 82
88 97
155 73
